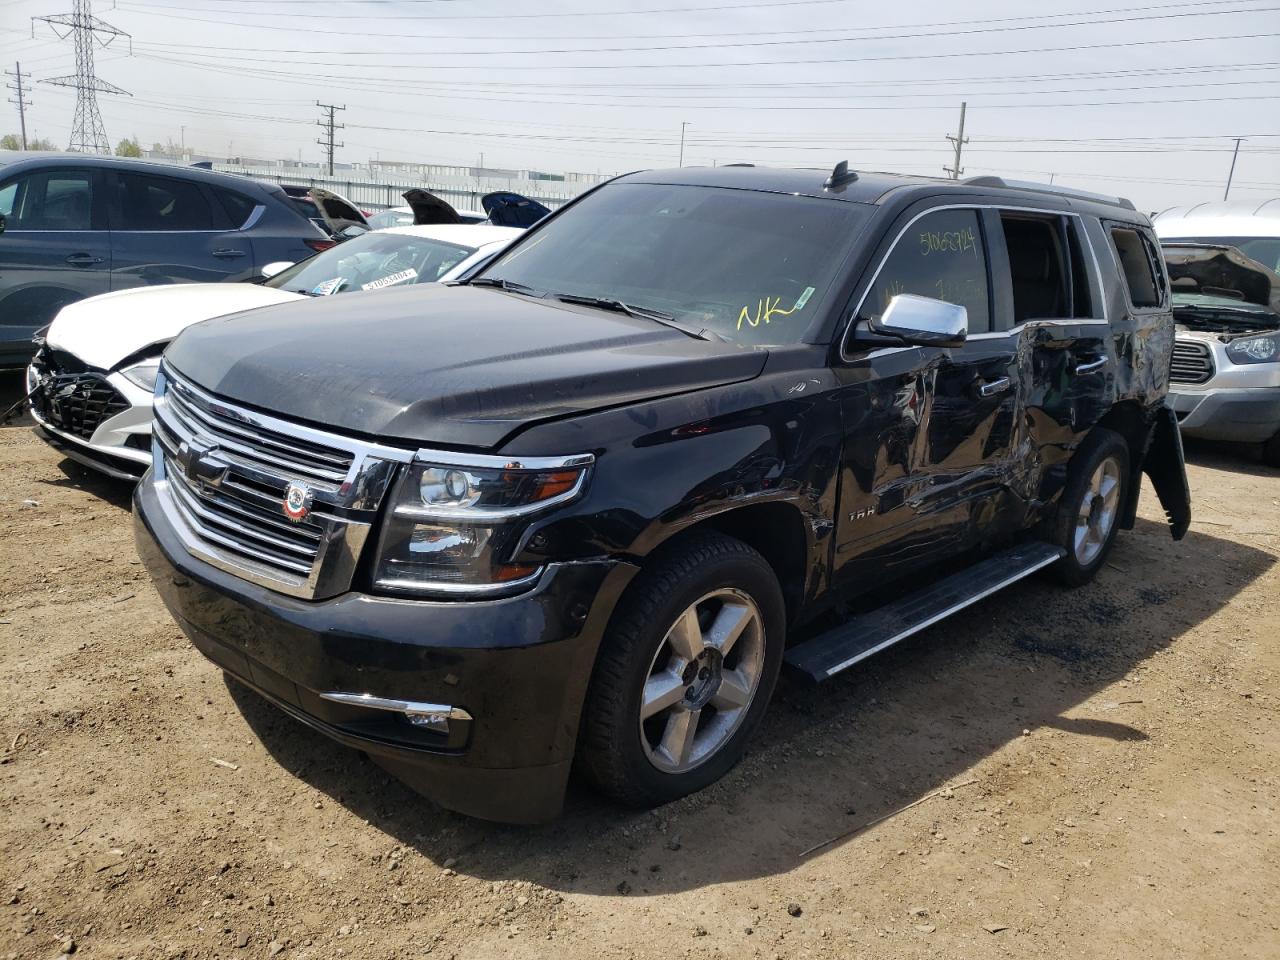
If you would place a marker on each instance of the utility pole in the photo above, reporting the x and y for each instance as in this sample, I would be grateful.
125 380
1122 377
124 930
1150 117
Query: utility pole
682 126
1235 153
327 123
21 97
88 135
959 140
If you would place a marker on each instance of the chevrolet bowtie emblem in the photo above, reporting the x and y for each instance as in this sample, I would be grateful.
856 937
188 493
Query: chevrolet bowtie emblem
201 464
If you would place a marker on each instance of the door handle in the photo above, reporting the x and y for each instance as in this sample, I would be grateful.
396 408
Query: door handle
228 253
84 260
1093 366
992 387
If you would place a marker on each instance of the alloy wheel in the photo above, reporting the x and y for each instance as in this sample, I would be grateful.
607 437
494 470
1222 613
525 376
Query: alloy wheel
1098 510
702 680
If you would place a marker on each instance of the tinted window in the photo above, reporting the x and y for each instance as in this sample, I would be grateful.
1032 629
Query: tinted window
238 207
371 262
1140 274
941 255
57 200
161 203
749 266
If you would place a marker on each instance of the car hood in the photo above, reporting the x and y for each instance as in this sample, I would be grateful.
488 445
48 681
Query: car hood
450 366
1213 270
105 329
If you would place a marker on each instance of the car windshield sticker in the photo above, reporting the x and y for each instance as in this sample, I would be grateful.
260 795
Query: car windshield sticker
803 299
767 310
391 279
328 287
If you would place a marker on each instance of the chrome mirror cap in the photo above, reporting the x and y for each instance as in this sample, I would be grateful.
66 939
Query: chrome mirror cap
924 321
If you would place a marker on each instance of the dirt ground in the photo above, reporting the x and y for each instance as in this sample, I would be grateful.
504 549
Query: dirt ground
1090 774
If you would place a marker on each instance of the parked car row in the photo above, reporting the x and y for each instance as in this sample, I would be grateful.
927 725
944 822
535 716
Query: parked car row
74 226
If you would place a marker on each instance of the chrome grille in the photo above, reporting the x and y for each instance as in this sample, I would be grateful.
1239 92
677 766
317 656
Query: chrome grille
1192 362
221 472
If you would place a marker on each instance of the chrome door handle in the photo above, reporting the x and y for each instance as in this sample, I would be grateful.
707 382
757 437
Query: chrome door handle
1093 366
993 387
228 252
84 260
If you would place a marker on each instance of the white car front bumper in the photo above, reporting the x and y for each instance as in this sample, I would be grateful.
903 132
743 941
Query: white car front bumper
112 435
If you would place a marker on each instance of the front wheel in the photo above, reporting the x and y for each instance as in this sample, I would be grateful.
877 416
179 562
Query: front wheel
1089 511
685 673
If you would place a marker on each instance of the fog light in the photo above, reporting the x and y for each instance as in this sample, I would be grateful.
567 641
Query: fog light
435 721
425 716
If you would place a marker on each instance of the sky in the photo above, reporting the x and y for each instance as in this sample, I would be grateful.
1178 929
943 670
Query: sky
1117 96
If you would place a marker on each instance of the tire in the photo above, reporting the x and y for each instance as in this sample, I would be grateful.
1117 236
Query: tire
1088 514
1271 451
644 662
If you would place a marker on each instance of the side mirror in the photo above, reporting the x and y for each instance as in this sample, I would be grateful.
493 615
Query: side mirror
923 321
271 269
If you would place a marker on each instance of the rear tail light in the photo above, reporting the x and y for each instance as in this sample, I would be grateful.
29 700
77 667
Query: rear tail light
319 245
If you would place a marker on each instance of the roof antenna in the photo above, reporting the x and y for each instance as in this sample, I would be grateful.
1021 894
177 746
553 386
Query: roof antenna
840 176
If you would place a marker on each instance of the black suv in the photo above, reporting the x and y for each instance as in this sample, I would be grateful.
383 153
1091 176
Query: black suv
699 424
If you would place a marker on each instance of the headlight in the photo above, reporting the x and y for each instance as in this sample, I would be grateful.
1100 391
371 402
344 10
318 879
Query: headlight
454 526
143 374
1255 349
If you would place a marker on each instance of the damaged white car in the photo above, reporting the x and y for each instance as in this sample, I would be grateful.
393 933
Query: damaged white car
91 381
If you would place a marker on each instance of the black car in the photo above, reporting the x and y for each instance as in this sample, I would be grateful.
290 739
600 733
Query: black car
73 226
580 511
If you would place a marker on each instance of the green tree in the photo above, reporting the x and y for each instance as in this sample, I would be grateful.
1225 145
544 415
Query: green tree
41 144
129 148
10 141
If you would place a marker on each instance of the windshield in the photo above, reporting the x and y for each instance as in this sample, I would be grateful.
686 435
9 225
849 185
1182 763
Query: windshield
372 261
749 266
1265 250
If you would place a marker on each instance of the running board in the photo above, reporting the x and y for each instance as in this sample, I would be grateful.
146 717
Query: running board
853 641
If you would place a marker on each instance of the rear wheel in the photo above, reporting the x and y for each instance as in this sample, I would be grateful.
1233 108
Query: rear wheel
1088 514
685 673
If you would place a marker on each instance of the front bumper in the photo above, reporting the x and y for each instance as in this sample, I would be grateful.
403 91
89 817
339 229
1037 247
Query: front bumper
1249 415
119 446
517 667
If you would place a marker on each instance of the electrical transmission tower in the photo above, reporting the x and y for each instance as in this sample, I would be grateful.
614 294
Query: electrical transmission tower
329 126
959 140
20 97
88 135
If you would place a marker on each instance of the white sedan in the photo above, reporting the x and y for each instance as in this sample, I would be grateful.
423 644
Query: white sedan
90 384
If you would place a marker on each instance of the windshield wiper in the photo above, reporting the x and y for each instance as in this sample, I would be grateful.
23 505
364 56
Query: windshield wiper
502 284
631 310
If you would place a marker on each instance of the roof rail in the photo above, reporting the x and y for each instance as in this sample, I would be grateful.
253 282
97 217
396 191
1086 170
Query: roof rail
1052 188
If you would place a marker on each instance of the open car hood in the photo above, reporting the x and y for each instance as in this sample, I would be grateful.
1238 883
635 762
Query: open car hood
428 208
338 212
506 209
1214 270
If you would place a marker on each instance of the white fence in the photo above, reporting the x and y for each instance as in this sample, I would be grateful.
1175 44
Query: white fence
386 192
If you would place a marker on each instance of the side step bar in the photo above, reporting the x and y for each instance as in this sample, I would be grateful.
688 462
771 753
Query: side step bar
827 654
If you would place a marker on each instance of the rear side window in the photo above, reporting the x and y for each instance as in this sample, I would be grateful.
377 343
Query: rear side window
1142 272
942 255
238 207
161 203
56 200
1046 267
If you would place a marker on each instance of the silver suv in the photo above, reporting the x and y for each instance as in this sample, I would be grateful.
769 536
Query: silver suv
1224 267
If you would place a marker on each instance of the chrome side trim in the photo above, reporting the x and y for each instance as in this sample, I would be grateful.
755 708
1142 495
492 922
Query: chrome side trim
450 458
397 706
967 601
